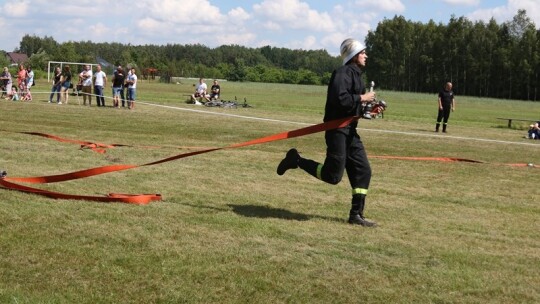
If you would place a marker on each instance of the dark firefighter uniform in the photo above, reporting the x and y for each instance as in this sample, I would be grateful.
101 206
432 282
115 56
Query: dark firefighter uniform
446 97
345 150
344 147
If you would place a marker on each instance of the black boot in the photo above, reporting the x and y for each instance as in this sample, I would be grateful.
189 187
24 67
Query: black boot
289 162
437 127
444 128
356 215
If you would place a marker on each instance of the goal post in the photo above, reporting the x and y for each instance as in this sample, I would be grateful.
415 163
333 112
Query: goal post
62 63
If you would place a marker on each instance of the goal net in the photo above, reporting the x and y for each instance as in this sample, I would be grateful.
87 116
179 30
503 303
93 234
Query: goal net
76 68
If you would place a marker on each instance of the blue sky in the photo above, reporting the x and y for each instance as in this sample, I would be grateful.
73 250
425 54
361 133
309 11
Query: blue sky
294 24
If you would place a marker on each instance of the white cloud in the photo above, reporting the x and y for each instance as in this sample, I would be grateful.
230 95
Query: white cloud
294 14
383 5
99 29
306 24
507 12
463 2
182 12
272 26
308 43
16 9
149 24
238 14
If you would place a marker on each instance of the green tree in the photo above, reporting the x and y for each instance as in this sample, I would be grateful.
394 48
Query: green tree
39 60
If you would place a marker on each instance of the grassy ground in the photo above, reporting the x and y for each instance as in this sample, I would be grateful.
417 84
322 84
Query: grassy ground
230 230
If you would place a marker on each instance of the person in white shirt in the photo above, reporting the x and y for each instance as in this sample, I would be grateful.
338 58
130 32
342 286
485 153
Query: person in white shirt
86 77
200 91
30 79
100 80
132 88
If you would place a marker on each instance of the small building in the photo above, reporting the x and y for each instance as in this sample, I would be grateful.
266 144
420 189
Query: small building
16 58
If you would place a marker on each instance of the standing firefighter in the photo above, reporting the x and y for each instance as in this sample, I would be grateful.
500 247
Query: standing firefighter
446 103
345 150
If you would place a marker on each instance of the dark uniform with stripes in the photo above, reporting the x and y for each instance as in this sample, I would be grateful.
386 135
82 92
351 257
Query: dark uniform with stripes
344 148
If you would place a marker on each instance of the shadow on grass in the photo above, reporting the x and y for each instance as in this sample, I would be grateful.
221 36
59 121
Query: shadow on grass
257 211
269 212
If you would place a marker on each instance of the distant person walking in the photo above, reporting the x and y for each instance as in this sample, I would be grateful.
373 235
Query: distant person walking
100 80
447 103
344 149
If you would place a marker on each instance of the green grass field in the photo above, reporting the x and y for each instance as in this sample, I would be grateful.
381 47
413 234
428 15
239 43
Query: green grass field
230 230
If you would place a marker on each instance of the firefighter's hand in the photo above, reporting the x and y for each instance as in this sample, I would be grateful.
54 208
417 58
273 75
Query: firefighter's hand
369 96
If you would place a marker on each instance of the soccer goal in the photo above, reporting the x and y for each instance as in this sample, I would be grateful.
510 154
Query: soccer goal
61 64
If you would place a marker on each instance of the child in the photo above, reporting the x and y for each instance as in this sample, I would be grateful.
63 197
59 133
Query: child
14 95
26 96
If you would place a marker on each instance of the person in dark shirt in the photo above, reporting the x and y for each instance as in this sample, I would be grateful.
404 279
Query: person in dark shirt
344 149
215 90
65 80
57 85
118 87
447 103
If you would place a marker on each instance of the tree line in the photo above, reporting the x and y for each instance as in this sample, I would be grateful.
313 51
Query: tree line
483 59
232 62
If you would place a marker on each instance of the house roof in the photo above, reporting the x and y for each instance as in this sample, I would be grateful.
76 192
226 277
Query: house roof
16 57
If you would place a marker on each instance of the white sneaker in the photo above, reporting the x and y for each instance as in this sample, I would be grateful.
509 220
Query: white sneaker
198 103
59 102
50 101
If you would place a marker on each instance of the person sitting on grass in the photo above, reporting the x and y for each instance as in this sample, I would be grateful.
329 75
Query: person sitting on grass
534 131
215 90
13 95
26 95
200 92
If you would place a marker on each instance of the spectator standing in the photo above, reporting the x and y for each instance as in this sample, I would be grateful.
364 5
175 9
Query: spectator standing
22 74
122 96
100 80
86 76
7 81
57 85
65 80
118 86
132 88
447 103
126 86
30 78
